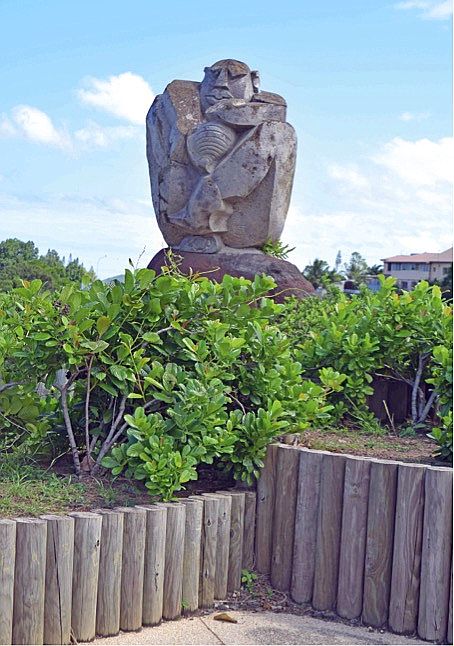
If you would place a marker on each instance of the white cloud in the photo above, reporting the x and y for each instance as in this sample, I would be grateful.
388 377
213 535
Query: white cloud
414 116
101 233
429 9
37 126
422 163
402 204
349 175
94 135
127 96
6 127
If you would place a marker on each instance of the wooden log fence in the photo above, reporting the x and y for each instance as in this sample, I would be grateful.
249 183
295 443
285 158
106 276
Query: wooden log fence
368 539
71 578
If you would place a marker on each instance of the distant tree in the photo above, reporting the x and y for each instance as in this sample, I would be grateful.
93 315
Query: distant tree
338 262
319 273
374 270
21 261
356 269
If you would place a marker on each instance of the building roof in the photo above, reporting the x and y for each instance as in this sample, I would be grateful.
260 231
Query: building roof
444 256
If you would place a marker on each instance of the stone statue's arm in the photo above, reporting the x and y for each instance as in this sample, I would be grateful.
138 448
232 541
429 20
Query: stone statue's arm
245 114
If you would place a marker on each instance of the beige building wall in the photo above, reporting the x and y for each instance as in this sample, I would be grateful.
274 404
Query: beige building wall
438 270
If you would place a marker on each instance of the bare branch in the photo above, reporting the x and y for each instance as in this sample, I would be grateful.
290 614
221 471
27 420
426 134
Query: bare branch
10 385
422 360
430 402
108 442
87 408
69 428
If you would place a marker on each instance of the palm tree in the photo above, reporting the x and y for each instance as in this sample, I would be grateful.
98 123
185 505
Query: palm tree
319 273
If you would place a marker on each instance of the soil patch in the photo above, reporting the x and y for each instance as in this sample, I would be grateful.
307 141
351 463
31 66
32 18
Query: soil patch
418 448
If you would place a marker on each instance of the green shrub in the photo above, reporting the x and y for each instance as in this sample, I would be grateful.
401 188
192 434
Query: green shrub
159 374
404 337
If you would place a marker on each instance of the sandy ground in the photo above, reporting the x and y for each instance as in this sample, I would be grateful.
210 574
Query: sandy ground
256 628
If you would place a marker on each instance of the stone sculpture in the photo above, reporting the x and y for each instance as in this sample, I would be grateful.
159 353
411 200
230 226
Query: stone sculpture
221 158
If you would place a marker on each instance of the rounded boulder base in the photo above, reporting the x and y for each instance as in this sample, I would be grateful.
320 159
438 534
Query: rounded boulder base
239 262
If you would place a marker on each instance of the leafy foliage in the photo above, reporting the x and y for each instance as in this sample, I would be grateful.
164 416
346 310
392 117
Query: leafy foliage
21 261
184 369
405 337
157 375
277 249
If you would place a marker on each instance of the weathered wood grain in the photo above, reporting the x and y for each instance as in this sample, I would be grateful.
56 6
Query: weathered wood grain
59 572
436 555
109 580
250 502
208 546
236 540
379 542
306 514
155 548
223 545
173 569
353 538
287 468
328 532
132 567
87 540
449 631
405 577
191 557
7 559
29 581
265 512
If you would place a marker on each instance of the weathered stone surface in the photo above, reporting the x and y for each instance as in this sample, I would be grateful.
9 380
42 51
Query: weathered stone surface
221 159
246 263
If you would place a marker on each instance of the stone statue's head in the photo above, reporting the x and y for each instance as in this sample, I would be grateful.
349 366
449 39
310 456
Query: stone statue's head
227 79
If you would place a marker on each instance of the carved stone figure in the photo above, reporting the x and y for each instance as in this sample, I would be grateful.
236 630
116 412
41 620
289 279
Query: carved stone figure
221 159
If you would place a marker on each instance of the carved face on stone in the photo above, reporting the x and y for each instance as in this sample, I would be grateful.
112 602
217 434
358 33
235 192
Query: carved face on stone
227 79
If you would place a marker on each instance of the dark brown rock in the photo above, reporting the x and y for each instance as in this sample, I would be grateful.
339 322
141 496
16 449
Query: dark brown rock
289 280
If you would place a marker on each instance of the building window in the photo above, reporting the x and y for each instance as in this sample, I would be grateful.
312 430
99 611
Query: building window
445 271
396 266
403 284
424 267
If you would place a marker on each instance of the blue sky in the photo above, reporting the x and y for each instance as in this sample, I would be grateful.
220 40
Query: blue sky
368 87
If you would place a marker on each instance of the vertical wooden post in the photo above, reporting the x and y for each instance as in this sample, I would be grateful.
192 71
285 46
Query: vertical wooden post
173 571
436 555
236 539
7 558
155 547
449 631
306 515
191 557
250 502
223 544
132 567
208 551
59 572
109 581
265 511
287 464
405 577
87 538
353 538
379 542
30 581
328 532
